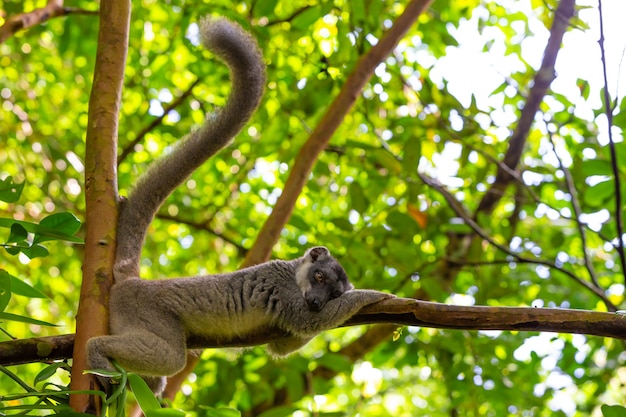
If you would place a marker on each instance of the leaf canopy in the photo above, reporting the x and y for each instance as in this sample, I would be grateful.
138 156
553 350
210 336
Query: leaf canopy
442 107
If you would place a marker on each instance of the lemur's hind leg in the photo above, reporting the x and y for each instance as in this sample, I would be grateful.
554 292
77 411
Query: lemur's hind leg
139 351
283 346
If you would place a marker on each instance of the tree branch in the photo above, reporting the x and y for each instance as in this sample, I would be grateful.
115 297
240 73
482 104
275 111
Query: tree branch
204 226
397 311
608 109
516 144
53 8
460 210
542 81
573 192
128 148
462 213
318 140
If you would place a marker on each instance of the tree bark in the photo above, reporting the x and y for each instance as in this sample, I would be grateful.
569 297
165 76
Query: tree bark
318 140
396 311
100 192
23 21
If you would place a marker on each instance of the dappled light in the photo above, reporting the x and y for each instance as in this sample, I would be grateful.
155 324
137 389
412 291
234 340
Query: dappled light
464 156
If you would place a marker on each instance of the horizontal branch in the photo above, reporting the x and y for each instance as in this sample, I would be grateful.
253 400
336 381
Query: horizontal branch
400 311
410 312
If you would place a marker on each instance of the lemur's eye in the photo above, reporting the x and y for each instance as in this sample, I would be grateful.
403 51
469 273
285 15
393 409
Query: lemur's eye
319 277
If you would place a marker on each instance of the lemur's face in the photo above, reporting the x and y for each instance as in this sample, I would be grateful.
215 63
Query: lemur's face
321 278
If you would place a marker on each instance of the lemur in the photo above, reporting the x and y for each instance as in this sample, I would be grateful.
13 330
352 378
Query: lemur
151 320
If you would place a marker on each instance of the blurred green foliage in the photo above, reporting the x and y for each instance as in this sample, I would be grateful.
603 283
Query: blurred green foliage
364 199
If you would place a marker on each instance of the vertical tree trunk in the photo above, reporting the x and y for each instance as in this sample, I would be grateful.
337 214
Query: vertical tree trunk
100 191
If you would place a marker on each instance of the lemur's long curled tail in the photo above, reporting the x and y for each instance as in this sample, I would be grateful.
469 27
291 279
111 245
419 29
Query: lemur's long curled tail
241 53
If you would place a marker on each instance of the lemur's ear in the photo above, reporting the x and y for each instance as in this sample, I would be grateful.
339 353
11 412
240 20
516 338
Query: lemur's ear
316 252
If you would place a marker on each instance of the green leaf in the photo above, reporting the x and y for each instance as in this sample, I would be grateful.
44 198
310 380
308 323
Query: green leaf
596 167
72 414
351 143
13 250
619 119
299 222
374 10
10 191
583 86
145 397
61 234
557 240
5 289
282 411
106 373
358 12
388 161
35 251
47 372
458 227
264 8
343 224
357 197
613 410
412 155
165 412
402 223
19 287
597 195
18 234
65 409
65 223
22 319
335 362
59 226
221 412
307 18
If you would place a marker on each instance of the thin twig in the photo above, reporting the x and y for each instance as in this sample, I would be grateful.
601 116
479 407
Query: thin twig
571 189
128 148
461 212
204 226
289 18
471 222
467 218
608 107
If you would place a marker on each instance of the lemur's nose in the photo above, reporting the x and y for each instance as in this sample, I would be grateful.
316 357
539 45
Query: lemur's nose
314 304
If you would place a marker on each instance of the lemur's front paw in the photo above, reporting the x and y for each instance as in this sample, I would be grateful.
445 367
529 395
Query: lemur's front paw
371 296
385 296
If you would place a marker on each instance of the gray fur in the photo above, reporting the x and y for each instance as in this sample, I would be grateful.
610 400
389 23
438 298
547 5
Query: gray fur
239 50
150 337
150 321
